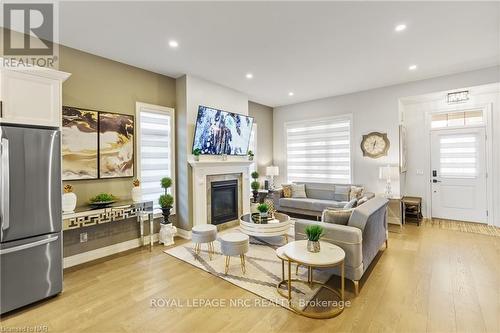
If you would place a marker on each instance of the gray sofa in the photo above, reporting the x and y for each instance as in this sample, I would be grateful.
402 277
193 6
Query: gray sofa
320 196
361 238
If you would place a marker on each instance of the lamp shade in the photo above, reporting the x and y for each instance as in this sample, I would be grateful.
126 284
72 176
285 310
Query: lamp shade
388 172
272 171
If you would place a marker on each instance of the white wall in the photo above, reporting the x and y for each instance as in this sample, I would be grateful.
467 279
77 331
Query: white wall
190 93
414 111
373 110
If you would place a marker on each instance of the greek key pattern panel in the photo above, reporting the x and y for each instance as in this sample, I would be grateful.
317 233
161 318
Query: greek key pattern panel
102 216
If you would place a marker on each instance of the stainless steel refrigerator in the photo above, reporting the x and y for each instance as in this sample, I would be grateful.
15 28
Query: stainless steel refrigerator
30 212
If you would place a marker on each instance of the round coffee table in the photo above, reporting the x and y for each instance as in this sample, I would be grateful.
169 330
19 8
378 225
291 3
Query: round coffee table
279 226
329 256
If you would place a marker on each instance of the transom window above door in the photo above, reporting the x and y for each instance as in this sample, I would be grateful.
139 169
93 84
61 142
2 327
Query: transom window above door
457 119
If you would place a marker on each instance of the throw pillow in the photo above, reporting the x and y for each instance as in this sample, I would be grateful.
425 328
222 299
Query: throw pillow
342 192
356 192
351 204
299 191
287 191
336 216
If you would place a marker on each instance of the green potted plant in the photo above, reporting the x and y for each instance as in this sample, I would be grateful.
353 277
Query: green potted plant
314 233
166 200
197 153
102 200
250 155
255 185
263 210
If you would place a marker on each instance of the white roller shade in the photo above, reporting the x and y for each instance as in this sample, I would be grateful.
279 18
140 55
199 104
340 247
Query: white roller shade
155 152
458 156
319 151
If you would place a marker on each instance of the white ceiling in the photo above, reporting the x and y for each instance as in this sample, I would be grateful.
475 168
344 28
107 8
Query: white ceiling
313 49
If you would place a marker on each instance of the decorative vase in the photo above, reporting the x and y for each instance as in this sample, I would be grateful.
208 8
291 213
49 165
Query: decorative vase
313 246
166 235
68 202
166 214
250 158
196 158
136 194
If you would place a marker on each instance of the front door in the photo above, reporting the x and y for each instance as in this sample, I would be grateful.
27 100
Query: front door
458 166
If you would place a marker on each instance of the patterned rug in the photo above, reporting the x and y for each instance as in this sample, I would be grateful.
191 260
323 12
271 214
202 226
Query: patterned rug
477 228
263 269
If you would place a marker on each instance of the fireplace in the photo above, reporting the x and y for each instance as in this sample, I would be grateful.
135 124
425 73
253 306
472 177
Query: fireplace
224 201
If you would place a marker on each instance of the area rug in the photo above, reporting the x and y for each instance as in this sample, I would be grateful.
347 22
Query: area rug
476 228
263 269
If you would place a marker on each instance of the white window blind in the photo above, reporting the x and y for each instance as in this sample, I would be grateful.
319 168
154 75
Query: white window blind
319 150
252 145
458 156
155 152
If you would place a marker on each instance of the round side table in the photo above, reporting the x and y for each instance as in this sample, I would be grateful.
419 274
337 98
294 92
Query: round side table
330 256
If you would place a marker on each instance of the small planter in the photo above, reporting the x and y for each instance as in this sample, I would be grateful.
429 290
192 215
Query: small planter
263 215
68 202
250 158
197 158
166 214
136 194
255 196
313 246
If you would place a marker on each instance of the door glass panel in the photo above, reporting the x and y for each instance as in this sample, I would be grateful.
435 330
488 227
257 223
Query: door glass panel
458 156
457 119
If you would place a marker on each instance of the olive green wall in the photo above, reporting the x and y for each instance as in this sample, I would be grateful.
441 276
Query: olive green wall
102 84
263 117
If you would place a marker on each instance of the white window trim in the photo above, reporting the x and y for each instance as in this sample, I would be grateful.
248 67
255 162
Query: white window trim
332 118
158 109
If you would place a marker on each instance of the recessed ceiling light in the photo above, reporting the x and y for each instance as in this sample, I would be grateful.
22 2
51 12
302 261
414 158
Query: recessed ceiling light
412 67
249 76
400 27
290 93
173 44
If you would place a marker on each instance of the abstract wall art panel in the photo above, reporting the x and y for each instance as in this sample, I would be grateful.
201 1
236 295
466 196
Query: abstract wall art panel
116 145
79 144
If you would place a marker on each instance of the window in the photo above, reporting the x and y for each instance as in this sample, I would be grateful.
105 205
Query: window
252 145
455 119
155 149
458 156
319 150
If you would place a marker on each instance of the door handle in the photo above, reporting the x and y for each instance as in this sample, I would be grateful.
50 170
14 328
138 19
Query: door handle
436 181
29 245
4 176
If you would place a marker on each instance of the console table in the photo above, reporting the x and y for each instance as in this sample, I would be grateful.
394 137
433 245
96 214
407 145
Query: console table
87 216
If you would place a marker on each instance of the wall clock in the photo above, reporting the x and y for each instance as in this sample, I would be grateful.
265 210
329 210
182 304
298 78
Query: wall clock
375 144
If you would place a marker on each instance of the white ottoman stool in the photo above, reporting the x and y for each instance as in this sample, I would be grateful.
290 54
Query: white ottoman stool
234 244
205 233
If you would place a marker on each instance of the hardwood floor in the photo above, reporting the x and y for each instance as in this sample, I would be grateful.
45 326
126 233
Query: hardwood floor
428 280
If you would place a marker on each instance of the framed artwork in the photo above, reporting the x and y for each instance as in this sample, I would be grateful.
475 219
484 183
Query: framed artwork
79 144
116 145
403 149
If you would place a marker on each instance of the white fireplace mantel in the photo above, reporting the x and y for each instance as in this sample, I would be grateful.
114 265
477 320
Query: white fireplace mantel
208 167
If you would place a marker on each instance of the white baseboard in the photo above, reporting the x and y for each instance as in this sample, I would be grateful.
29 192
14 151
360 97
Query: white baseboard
186 234
81 258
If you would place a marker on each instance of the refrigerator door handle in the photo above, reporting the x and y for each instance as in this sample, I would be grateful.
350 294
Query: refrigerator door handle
5 202
29 245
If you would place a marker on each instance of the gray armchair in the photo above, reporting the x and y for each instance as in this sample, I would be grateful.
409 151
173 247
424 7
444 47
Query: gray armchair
361 238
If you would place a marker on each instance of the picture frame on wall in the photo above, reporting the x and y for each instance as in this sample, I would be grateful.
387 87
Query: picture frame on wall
79 144
97 144
403 149
116 145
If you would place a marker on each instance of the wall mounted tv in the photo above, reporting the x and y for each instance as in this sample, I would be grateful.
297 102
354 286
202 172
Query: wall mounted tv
219 132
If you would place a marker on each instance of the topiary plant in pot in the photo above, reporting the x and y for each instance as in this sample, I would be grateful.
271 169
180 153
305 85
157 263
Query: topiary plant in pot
314 233
255 185
166 200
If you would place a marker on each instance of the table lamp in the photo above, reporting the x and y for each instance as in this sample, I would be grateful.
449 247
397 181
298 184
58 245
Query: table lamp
271 172
388 173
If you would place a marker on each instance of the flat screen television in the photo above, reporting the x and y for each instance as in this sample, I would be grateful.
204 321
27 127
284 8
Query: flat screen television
219 132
